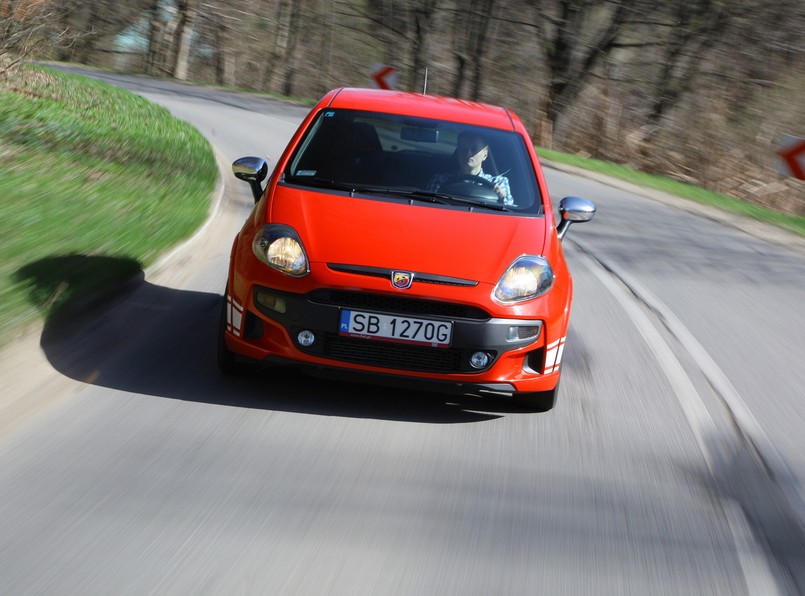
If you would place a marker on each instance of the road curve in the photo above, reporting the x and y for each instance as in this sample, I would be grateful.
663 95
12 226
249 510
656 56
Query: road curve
671 465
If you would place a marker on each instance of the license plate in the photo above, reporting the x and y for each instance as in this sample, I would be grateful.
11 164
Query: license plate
408 330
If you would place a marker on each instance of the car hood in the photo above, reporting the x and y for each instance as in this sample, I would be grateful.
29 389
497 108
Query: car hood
476 245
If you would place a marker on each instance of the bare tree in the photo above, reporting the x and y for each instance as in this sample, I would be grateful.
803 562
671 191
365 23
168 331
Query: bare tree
575 35
295 28
405 25
25 29
422 17
471 24
158 24
389 21
687 30
93 23
284 35
678 76
186 20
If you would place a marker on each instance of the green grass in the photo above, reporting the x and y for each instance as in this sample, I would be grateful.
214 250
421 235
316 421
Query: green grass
792 223
95 183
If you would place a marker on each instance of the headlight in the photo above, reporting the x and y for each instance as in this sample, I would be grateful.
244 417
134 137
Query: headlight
526 278
279 247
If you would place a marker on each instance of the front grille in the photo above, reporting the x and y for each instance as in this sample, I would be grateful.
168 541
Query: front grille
390 355
397 304
426 278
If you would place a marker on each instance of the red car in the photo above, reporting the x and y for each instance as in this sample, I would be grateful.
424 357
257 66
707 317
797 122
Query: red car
404 239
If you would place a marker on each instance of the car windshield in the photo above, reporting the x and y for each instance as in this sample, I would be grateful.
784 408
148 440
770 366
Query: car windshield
378 154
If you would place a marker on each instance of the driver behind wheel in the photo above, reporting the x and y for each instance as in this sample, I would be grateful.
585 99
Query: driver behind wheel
471 152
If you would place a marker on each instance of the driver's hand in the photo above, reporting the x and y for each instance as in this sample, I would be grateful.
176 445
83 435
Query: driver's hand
500 190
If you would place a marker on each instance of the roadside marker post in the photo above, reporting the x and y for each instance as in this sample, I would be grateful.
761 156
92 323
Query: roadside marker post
791 157
385 77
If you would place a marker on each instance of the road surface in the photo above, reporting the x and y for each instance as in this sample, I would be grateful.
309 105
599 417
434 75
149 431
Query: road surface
672 463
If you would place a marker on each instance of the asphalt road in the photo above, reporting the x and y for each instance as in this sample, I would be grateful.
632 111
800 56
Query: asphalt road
672 464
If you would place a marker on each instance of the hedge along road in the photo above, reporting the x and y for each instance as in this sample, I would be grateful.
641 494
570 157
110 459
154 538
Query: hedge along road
146 471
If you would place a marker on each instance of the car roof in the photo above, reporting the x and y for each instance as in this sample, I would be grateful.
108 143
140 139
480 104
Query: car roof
425 106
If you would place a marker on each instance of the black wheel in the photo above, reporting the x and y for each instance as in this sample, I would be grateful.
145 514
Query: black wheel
538 401
471 186
228 362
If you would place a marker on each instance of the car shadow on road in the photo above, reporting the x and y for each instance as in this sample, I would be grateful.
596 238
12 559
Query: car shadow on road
159 341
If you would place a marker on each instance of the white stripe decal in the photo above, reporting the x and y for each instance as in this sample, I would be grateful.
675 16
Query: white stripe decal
234 316
559 355
553 355
237 320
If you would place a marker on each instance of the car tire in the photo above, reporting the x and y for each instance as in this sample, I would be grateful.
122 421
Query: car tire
538 401
229 363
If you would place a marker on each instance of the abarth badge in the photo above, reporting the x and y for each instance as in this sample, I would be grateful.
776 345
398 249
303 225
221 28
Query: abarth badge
402 280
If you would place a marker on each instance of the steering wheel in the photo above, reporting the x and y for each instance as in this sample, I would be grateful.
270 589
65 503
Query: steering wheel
470 186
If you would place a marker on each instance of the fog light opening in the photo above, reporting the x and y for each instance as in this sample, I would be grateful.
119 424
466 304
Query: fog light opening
306 338
522 332
272 301
480 360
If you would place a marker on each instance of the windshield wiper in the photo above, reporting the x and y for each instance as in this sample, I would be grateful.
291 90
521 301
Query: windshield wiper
421 195
484 204
436 197
322 183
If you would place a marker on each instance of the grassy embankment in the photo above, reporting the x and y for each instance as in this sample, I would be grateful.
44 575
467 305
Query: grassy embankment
95 183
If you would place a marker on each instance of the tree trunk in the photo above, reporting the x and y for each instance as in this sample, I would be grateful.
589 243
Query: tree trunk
422 20
279 46
184 31
294 28
573 43
155 34
482 19
694 30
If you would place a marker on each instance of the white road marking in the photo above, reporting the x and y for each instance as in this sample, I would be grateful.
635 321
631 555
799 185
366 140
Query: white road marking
742 417
759 576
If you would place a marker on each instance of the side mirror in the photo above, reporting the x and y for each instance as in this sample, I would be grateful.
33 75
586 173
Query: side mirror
571 210
252 170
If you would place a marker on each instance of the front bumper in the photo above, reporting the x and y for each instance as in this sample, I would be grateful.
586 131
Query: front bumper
268 326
